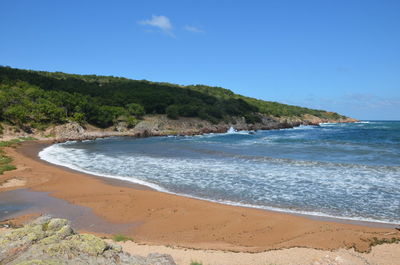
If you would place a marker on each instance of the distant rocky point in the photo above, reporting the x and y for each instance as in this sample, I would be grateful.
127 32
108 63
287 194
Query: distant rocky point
48 241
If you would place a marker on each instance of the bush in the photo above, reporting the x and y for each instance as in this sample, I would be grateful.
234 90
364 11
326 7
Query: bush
107 116
172 112
131 122
78 117
252 118
188 110
135 110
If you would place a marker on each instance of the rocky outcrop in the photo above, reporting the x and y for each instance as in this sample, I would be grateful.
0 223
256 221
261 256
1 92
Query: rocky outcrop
68 130
52 241
159 125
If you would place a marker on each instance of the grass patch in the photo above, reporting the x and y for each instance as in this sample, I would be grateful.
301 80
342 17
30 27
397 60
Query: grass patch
375 241
196 263
6 168
10 142
121 238
13 142
5 161
27 138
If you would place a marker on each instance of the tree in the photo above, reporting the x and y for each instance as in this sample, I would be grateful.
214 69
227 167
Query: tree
172 112
78 117
136 110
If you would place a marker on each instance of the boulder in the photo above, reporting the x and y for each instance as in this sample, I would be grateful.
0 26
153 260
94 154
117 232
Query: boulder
48 241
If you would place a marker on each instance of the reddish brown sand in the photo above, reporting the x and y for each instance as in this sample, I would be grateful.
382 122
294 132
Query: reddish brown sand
166 219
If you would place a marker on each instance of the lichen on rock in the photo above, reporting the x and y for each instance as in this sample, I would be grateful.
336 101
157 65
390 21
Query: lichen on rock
48 241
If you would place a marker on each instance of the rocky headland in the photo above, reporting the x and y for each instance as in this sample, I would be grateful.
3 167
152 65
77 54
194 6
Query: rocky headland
160 125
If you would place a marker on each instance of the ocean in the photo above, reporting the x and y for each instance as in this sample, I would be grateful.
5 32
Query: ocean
342 170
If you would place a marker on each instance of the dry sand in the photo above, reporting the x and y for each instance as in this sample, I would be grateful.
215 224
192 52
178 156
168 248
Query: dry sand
382 255
13 183
164 219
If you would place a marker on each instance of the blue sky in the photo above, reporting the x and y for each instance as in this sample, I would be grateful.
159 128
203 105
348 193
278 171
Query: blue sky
341 55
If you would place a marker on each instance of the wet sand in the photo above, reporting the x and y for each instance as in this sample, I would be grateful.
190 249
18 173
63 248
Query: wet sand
157 218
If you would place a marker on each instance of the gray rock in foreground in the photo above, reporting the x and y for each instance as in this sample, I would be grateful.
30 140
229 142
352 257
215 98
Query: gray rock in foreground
48 241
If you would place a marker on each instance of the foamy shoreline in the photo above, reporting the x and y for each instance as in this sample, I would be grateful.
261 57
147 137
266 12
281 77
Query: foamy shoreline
318 215
183 216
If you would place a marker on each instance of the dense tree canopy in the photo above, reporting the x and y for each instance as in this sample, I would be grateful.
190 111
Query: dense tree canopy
38 99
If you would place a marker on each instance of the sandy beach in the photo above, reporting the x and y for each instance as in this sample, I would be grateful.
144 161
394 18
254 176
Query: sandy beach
159 219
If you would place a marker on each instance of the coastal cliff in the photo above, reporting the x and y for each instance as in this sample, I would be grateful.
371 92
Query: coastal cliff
161 125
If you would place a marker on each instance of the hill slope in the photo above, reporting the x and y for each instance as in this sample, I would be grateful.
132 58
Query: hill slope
37 99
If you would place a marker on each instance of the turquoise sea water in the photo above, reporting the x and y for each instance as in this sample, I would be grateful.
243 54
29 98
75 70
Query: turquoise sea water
350 171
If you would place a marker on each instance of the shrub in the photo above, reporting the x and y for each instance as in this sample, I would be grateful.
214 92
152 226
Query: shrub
78 117
375 241
172 112
136 110
131 122
252 118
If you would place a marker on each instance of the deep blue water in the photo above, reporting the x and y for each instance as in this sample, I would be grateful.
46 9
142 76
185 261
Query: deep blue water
342 170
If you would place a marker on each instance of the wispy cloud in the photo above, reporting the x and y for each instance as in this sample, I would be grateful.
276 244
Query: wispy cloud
353 100
343 69
193 29
370 100
358 105
160 22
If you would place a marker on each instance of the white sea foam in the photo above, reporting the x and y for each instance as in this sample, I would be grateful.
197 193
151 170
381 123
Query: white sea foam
53 154
271 181
231 130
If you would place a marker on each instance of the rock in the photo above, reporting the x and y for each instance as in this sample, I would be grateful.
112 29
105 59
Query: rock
121 127
159 259
70 130
47 241
160 125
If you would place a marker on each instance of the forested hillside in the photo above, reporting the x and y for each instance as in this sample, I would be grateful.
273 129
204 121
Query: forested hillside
39 99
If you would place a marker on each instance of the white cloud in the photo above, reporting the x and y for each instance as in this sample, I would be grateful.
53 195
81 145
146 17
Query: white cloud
193 29
161 22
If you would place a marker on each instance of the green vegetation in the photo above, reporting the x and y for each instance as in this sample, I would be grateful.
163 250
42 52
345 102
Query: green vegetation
45 226
121 238
375 241
195 263
5 161
13 142
36 99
